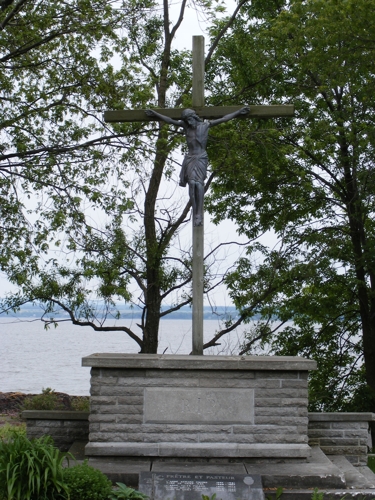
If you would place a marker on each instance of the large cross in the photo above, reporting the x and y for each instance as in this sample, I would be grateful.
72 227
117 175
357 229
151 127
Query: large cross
212 112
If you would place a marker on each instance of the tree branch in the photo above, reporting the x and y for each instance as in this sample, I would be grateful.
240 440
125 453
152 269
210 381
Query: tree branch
95 327
16 9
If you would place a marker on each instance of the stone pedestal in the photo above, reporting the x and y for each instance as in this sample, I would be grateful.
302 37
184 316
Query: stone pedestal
198 407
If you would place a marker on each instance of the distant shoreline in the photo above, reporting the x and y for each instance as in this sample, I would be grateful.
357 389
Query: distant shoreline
126 313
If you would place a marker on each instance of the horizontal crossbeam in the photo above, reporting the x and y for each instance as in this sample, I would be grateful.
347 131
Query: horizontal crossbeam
139 115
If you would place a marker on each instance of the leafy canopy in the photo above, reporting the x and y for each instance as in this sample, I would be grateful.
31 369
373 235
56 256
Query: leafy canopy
310 182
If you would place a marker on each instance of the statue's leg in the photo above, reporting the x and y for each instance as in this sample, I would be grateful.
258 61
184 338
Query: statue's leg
199 195
192 198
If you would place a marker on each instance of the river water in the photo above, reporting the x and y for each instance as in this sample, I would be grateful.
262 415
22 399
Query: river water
33 358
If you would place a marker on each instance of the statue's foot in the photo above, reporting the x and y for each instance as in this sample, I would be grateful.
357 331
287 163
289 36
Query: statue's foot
198 220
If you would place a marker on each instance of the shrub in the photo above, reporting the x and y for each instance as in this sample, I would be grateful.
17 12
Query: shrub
80 403
31 470
86 483
48 400
123 492
8 430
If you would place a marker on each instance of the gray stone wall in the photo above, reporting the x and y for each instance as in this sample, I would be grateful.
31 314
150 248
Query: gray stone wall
246 412
64 427
120 410
345 434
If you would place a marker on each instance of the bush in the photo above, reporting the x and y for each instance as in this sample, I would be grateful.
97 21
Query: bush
31 470
48 400
123 492
86 483
51 400
80 403
8 430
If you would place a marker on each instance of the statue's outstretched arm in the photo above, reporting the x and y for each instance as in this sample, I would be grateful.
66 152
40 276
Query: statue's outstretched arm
227 118
166 119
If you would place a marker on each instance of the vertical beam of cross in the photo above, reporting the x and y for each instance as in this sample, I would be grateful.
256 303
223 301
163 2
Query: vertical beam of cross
198 235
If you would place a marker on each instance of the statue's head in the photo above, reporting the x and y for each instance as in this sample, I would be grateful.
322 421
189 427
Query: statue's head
190 117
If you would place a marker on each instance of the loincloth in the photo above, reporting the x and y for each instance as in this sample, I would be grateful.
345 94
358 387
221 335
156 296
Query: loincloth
194 168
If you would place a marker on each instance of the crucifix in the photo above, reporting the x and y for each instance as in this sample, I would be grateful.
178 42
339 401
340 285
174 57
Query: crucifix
194 167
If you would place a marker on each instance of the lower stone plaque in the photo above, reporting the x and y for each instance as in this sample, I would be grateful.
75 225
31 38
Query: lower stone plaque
193 486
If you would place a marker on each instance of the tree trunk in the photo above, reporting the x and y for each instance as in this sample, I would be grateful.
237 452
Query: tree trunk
153 251
151 328
357 215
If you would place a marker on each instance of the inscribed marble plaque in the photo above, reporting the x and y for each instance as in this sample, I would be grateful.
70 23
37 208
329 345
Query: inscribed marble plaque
191 486
199 405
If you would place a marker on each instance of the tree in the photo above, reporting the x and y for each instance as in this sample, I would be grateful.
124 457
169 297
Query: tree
104 225
50 148
310 181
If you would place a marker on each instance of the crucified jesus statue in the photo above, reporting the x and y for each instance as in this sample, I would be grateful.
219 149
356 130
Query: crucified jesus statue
194 167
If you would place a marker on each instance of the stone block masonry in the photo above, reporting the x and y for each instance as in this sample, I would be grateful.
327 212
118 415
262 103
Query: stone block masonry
64 427
198 406
335 433
345 434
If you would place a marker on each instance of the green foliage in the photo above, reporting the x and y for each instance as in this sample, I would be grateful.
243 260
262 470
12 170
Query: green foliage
86 483
318 495
371 463
9 430
86 222
81 403
206 497
31 470
278 494
123 492
48 400
57 160
309 182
